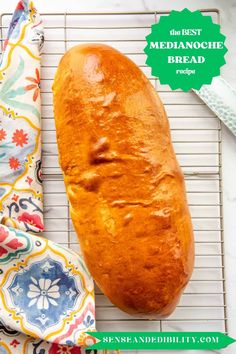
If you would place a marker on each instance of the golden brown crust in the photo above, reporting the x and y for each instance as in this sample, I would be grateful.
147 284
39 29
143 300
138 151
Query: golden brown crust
124 184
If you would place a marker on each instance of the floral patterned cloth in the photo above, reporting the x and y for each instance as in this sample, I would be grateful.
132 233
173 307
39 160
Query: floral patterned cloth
22 344
20 146
46 291
13 342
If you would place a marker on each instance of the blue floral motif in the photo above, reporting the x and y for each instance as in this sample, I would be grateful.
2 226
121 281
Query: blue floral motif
44 292
88 321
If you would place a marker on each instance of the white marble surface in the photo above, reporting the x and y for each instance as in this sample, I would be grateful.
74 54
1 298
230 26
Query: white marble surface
228 16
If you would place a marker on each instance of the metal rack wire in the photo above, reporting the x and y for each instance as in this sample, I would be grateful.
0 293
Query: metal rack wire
196 134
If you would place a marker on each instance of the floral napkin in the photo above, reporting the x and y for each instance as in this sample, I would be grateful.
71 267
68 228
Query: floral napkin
17 343
46 292
20 145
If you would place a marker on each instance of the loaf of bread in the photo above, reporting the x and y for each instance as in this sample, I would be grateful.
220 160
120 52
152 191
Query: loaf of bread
125 187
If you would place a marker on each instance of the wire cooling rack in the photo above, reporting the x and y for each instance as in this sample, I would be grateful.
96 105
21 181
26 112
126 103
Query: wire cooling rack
196 134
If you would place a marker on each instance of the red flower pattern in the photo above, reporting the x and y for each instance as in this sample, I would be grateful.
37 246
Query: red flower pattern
20 138
13 243
62 349
15 197
31 219
29 180
35 86
14 163
14 343
2 134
